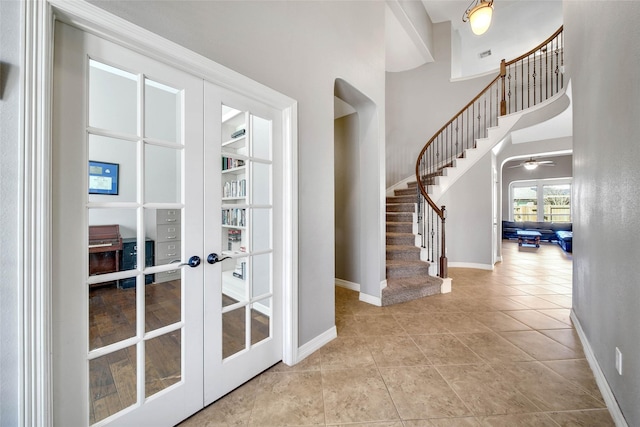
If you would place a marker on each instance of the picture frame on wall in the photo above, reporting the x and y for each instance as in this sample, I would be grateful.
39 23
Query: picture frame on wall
103 178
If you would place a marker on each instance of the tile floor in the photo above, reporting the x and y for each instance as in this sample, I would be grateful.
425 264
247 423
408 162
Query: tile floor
499 350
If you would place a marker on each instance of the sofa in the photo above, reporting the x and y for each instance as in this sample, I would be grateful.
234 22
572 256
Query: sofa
560 232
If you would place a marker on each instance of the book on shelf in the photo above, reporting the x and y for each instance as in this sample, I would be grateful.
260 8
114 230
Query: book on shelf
234 240
238 133
231 163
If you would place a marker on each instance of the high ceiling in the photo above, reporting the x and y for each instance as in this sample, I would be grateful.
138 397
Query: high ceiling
517 26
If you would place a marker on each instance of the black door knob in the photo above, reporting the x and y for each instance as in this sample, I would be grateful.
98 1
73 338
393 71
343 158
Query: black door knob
194 261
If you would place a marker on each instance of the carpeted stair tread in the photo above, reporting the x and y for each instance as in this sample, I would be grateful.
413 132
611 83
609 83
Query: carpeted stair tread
400 217
400 239
400 227
401 207
405 289
405 192
401 199
403 252
403 268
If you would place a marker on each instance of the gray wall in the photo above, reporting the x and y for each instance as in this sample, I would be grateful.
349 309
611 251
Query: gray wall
603 66
299 50
347 184
420 102
10 158
469 215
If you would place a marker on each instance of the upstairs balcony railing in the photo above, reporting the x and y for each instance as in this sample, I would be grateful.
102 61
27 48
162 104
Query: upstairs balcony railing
522 83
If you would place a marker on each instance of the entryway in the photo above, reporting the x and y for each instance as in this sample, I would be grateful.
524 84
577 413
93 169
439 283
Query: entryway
168 251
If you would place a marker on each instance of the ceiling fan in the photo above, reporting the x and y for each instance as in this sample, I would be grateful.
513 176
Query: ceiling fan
531 164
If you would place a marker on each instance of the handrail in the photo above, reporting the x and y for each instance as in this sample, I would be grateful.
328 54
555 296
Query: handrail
473 120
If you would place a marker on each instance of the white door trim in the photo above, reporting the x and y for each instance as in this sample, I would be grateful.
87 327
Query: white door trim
38 17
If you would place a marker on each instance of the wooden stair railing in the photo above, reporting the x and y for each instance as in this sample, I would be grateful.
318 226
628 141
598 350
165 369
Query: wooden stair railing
522 83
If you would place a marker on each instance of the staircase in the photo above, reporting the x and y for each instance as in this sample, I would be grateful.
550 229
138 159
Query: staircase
526 89
407 276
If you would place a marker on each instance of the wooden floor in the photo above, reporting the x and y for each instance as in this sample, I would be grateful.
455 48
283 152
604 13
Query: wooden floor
112 318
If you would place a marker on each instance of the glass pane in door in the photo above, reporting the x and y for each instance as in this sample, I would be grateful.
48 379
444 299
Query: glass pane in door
112 383
163 362
234 325
113 98
163 112
112 169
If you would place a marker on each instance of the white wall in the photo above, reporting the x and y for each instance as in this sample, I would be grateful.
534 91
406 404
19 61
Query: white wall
299 49
10 240
602 59
420 102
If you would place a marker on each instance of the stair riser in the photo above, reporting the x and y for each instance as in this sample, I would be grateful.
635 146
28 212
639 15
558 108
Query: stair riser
401 207
405 192
404 271
403 255
399 227
400 217
407 240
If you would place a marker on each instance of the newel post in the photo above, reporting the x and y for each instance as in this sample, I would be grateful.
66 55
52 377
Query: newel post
443 249
503 101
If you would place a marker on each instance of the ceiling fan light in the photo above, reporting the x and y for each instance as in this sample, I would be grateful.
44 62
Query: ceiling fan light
480 17
530 165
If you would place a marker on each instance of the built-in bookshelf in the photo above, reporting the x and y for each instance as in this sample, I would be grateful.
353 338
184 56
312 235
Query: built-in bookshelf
247 211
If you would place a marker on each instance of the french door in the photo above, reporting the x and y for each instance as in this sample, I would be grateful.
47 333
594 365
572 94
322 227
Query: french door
165 266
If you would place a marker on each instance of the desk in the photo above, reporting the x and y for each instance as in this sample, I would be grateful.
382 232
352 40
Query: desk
529 238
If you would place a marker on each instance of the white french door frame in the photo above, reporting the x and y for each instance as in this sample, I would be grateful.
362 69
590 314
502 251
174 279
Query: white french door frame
38 19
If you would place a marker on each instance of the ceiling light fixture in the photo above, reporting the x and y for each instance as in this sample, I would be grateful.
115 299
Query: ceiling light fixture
479 15
530 165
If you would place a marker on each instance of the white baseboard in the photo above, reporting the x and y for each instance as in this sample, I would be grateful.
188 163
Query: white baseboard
315 344
445 288
371 299
347 285
470 265
601 380
383 284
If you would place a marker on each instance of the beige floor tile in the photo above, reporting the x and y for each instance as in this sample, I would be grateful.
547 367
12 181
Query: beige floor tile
445 349
356 395
498 321
371 424
420 392
534 302
484 392
567 337
578 371
503 303
536 320
346 352
493 348
396 351
519 420
346 325
548 390
233 409
444 422
385 324
289 398
312 362
420 323
561 314
460 322
592 418
539 346
533 289
563 301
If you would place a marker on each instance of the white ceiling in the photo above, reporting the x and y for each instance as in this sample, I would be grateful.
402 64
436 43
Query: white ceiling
517 26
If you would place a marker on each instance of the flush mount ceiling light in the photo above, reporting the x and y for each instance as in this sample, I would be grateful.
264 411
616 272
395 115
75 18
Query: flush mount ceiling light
478 14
